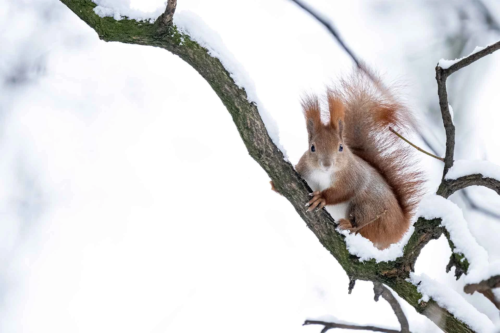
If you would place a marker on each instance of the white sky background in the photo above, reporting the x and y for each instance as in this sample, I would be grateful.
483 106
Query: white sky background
128 202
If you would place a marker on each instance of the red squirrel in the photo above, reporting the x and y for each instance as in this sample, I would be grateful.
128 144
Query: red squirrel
355 164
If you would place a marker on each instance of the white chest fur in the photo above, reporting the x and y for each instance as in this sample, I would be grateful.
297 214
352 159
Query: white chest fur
320 180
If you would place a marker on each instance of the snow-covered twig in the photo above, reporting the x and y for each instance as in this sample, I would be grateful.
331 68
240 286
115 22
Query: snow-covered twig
471 173
465 194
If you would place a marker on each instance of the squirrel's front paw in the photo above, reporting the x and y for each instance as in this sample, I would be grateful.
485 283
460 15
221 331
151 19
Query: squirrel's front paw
317 201
345 224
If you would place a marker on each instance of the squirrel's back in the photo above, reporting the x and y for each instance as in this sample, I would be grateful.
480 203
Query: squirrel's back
370 110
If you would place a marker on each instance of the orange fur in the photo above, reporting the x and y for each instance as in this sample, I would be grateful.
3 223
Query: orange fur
375 171
336 108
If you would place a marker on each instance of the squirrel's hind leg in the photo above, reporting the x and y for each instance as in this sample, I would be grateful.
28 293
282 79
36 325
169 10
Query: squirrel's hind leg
345 224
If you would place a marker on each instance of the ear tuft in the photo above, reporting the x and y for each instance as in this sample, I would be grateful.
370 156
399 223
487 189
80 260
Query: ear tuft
312 112
336 108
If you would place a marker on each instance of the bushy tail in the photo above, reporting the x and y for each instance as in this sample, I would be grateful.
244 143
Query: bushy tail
370 109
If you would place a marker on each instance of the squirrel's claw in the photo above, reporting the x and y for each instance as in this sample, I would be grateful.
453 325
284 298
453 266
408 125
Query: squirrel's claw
316 201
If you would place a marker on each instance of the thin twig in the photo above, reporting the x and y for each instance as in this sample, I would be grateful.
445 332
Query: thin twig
380 290
358 229
441 76
329 26
331 325
415 146
486 288
466 61
450 186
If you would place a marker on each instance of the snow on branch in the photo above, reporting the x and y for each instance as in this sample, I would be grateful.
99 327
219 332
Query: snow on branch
472 173
451 66
452 219
453 301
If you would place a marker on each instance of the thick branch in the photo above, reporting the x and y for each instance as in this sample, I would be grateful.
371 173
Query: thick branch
260 146
331 325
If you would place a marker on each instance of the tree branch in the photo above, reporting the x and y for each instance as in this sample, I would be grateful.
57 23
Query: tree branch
450 186
447 120
466 61
415 146
441 76
472 204
380 290
260 146
167 17
485 287
331 325
329 26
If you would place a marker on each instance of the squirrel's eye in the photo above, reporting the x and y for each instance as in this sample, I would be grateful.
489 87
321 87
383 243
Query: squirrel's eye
313 149
341 147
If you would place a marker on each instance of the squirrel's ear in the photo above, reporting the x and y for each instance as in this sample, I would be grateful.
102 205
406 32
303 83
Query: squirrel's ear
336 108
312 112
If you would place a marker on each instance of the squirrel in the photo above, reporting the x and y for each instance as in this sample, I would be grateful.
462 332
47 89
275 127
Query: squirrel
355 164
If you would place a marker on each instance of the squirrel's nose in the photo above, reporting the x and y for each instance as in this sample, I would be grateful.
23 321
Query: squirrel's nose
326 164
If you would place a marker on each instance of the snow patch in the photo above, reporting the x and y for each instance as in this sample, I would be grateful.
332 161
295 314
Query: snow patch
435 206
366 250
463 168
193 25
119 9
445 63
452 301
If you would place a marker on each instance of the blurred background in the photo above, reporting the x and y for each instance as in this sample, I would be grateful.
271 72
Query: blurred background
128 202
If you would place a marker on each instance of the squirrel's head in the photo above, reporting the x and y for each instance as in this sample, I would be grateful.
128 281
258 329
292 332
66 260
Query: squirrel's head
326 143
